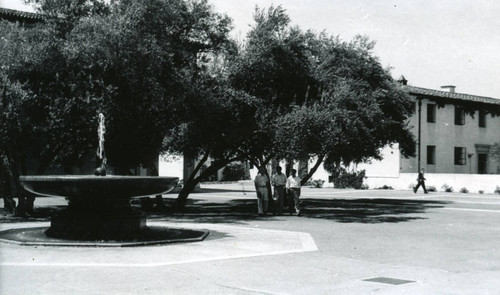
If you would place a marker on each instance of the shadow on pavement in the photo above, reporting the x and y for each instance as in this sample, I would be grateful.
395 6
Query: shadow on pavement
232 211
339 210
219 190
368 210
39 214
240 211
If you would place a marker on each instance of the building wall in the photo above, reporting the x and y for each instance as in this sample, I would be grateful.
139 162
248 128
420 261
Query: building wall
445 136
400 173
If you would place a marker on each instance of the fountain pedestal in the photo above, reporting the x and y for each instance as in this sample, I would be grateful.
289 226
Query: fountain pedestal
98 221
99 207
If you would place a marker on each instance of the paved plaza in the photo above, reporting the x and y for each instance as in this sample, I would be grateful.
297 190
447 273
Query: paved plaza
346 242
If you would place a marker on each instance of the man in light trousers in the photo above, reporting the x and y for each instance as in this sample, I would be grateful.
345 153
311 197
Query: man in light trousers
293 190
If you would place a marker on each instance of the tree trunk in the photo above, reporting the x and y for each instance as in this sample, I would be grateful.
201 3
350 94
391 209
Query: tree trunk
189 185
193 181
313 170
7 183
160 204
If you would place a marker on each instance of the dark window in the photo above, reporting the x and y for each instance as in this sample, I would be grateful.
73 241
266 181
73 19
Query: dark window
482 118
460 156
459 116
431 154
431 113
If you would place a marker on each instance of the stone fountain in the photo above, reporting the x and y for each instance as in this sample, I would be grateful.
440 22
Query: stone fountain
99 206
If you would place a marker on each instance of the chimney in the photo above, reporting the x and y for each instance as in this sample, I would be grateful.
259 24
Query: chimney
402 80
451 88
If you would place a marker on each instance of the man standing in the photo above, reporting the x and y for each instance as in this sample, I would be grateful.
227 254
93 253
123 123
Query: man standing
7 184
293 190
261 183
421 181
279 181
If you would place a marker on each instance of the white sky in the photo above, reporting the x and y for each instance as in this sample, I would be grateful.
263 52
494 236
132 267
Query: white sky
431 42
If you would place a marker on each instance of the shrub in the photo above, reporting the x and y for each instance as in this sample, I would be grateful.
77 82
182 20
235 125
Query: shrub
234 171
386 187
317 183
344 179
431 188
464 190
481 192
447 188
211 177
497 191
364 186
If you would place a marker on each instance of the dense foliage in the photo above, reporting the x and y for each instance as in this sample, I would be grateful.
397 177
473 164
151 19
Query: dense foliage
169 80
233 172
324 97
342 178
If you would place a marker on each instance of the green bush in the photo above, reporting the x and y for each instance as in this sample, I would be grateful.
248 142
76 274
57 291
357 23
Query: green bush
464 190
344 179
447 188
317 183
211 177
233 172
431 188
388 187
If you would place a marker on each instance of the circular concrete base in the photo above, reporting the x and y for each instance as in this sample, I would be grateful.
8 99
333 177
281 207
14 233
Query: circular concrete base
152 235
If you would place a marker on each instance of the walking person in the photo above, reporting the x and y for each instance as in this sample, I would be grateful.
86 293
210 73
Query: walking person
293 190
279 181
261 187
420 181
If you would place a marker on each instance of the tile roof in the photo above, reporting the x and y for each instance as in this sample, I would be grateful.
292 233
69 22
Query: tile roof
20 15
450 95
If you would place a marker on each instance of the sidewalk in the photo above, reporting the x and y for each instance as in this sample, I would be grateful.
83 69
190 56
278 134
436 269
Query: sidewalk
347 242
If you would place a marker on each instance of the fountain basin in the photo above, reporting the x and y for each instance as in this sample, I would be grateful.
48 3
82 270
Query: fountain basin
98 187
98 206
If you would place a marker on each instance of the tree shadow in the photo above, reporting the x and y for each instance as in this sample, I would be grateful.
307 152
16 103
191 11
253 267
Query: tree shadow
200 211
240 211
39 214
339 210
368 210
219 190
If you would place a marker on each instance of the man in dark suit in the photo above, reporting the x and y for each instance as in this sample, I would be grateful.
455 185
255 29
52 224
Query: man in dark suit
421 181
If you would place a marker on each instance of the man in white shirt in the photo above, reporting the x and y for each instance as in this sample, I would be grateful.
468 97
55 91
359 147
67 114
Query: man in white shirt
261 182
279 181
293 190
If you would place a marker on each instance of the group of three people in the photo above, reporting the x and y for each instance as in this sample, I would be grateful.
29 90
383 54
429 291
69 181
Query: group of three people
284 187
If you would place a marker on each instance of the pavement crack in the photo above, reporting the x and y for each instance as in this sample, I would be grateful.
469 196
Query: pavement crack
246 289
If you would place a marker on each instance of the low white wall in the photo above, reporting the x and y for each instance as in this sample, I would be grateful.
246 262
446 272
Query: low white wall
172 166
473 182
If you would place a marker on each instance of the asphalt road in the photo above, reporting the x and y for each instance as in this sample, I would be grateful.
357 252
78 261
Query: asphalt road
346 242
